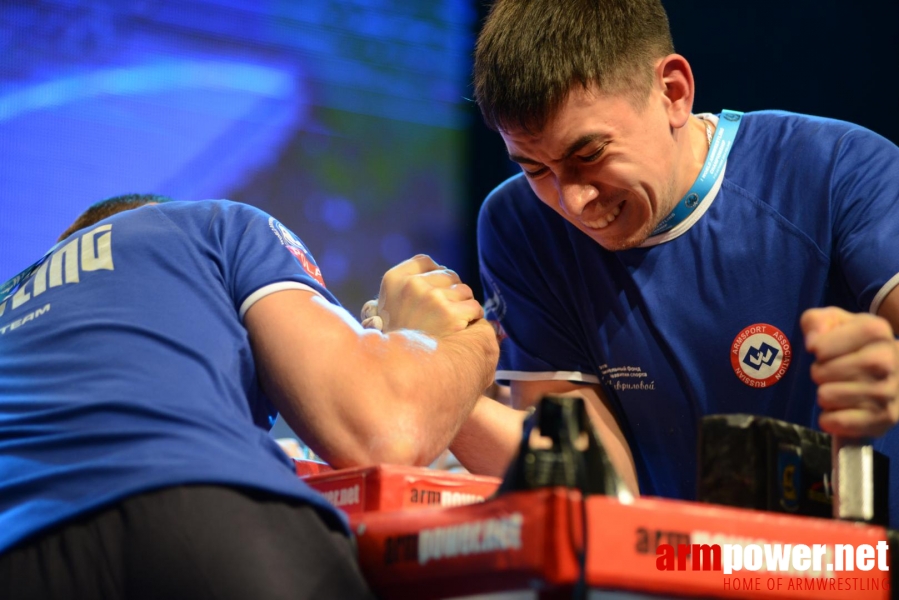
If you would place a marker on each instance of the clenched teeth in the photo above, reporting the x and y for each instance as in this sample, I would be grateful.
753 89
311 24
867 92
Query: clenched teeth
605 220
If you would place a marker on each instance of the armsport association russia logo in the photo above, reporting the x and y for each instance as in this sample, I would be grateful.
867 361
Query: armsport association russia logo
296 247
760 355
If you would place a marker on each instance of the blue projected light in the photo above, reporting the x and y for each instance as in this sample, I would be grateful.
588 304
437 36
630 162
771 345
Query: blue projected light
344 119
189 129
339 213
129 81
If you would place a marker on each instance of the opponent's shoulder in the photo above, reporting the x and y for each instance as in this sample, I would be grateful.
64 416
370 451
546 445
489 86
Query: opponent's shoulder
216 219
209 210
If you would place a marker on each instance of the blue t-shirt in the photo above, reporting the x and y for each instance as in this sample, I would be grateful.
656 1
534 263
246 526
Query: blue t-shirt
124 364
703 319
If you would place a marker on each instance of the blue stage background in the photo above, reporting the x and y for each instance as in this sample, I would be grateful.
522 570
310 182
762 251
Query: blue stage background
344 119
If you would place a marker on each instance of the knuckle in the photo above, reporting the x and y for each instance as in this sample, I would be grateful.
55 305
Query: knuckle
877 327
878 361
884 391
393 277
419 285
427 261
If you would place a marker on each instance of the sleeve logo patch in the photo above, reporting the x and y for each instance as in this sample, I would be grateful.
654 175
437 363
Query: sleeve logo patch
296 247
494 307
498 330
760 355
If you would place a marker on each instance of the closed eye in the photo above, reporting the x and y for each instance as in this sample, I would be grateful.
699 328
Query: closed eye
591 157
534 173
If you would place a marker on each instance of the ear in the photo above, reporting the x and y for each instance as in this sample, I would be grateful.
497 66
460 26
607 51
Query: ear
676 78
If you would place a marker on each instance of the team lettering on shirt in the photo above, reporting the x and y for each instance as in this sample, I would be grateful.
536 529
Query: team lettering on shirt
89 252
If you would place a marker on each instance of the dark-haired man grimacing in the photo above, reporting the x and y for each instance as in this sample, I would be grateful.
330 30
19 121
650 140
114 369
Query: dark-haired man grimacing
143 360
668 265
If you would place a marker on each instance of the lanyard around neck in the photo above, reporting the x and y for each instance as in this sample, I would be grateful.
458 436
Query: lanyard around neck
722 142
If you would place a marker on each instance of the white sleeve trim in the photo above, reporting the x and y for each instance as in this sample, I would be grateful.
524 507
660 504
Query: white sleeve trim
883 293
547 376
271 289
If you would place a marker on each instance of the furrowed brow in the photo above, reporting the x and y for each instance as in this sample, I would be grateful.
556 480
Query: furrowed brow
572 148
523 160
581 142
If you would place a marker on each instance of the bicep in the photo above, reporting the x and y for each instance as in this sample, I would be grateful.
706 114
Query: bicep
303 347
528 393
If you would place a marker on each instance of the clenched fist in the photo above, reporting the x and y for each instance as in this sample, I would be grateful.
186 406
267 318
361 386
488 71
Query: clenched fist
857 371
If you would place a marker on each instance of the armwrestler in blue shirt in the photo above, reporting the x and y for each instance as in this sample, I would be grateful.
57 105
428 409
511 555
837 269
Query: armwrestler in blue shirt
666 265
142 363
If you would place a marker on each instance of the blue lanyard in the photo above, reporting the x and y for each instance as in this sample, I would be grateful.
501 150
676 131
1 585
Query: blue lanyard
722 142
10 287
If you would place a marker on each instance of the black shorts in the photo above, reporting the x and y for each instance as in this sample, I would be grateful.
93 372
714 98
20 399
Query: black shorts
190 542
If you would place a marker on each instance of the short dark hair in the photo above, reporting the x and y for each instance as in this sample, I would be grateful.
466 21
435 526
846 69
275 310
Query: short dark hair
106 208
531 53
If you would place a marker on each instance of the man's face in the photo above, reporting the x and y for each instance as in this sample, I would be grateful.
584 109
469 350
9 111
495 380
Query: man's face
605 166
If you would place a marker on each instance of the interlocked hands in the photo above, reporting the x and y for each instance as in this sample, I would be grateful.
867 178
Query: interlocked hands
419 294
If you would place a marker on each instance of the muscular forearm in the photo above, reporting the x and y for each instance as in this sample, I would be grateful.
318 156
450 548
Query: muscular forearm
361 397
429 359
490 437
430 386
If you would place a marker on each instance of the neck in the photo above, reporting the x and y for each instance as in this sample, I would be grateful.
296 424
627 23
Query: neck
694 154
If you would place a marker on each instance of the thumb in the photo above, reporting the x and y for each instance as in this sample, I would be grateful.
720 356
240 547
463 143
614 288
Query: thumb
374 322
370 309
